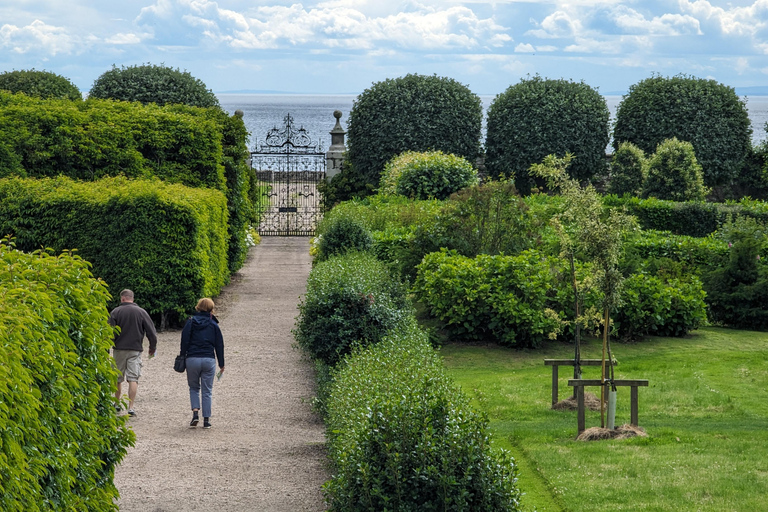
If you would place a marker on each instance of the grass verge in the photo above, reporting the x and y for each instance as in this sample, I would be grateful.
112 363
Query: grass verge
705 412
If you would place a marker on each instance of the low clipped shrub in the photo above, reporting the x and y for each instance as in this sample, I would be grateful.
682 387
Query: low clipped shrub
699 255
39 84
627 170
403 437
166 242
351 300
651 306
60 439
504 298
427 175
690 218
343 235
149 83
674 173
380 212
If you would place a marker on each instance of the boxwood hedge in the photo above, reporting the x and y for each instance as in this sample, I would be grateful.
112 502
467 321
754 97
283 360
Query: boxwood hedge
166 242
60 439
403 437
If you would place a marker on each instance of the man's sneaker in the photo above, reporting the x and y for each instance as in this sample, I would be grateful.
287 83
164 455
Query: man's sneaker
131 413
195 420
206 423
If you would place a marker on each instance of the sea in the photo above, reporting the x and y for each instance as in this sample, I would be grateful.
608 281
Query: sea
314 113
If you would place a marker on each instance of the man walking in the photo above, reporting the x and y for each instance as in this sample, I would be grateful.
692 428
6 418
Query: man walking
134 324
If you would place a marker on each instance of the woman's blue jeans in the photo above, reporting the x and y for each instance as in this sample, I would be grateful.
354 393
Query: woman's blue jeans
200 372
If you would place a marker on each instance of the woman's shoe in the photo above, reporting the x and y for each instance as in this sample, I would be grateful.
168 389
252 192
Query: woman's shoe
195 420
206 423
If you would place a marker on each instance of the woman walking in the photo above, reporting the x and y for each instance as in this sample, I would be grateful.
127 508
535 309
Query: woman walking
203 344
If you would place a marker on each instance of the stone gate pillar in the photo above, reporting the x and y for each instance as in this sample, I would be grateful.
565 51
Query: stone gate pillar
334 155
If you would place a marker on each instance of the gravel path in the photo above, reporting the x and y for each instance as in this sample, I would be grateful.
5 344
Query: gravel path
265 451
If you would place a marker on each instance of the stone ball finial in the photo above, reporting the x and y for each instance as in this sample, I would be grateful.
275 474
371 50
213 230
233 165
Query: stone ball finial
239 113
337 114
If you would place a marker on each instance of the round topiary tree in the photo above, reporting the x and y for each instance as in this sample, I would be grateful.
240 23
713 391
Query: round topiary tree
627 170
149 83
40 84
343 235
416 113
538 117
704 112
674 173
427 175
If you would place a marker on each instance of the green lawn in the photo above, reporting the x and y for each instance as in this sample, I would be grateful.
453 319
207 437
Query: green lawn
705 412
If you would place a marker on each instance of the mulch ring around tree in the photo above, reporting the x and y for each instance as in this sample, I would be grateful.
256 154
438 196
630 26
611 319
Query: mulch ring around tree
623 432
591 402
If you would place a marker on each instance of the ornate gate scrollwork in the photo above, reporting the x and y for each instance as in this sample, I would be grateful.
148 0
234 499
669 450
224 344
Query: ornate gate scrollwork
289 164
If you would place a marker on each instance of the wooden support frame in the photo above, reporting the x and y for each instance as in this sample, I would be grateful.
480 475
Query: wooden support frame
580 384
555 363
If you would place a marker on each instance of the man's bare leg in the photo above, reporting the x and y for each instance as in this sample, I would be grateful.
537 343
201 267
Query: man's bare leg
133 387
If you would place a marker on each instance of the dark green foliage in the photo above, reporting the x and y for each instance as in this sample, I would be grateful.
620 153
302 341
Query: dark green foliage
344 186
656 307
674 173
539 117
412 113
39 84
166 242
343 235
60 439
403 437
627 170
504 298
680 218
752 180
10 162
705 113
149 83
351 300
427 175
738 291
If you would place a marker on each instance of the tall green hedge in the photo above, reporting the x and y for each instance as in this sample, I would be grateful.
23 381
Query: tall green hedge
151 83
403 437
89 140
39 84
538 117
166 242
60 439
416 113
703 112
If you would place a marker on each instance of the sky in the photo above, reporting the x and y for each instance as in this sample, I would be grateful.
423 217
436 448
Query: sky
344 46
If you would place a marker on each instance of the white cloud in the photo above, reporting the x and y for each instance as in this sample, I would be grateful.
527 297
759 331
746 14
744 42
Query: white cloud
559 24
120 39
630 21
525 48
37 37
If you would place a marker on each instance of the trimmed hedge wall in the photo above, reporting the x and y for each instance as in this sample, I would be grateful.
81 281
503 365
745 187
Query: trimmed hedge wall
403 437
700 254
93 139
60 439
166 242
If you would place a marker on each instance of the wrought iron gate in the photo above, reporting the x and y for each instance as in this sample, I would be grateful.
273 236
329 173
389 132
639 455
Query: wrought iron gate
289 165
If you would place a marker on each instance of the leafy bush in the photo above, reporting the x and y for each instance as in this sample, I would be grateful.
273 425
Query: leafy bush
166 242
538 117
342 236
705 113
380 212
403 437
39 84
674 173
627 170
416 113
499 297
427 175
651 306
737 292
697 218
149 83
351 300
60 437
344 186
698 254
